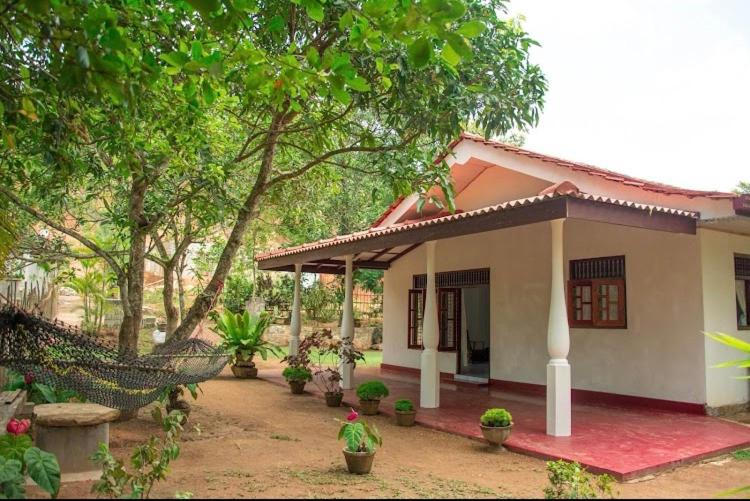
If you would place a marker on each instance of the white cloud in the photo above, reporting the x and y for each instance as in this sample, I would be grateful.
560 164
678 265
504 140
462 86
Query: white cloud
654 89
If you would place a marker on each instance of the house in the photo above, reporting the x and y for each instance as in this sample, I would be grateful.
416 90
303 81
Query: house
555 276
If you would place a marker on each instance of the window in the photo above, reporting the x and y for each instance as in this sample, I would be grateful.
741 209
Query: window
449 318
742 288
416 314
596 293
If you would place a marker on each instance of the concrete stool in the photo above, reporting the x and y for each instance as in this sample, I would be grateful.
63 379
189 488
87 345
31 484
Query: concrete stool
73 432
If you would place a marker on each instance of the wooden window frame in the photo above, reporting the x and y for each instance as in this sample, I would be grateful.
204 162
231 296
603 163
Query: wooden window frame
740 276
595 273
456 317
412 331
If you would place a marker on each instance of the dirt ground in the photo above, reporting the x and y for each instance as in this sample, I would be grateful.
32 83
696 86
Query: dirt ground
257 440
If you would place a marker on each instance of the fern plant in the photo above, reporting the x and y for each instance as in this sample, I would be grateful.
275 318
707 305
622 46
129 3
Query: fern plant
242 335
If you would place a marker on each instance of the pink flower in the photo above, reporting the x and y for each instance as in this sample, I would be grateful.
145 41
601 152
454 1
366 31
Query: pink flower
28 378
352 415
16 427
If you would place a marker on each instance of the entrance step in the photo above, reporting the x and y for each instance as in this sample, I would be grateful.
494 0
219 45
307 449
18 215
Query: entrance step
479 381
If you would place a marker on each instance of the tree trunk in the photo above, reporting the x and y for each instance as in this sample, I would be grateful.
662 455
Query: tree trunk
170 310
181 287
206 299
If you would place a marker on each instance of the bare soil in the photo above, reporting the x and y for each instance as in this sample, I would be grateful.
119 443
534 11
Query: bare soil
259 441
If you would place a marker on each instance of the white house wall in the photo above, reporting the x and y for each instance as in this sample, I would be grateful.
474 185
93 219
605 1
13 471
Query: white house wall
717 252
659 355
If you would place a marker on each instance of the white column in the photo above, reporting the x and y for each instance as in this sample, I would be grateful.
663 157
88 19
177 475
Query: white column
296 323
558 343
347 324
429 396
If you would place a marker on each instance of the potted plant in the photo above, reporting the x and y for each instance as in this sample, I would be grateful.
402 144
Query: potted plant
405 412
496 425
330 355
297 377
369 394
361 440
242 336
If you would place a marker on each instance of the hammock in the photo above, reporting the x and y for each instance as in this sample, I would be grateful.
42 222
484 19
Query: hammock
65 357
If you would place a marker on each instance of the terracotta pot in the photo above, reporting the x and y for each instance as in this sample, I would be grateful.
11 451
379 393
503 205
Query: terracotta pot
244 371
359 463
369 407
298 387
406 418
334 399
496 435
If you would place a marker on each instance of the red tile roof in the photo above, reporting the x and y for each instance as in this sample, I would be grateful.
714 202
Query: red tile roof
577 167
406 226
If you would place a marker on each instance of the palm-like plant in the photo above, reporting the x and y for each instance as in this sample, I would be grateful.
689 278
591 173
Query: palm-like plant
242 335
736 343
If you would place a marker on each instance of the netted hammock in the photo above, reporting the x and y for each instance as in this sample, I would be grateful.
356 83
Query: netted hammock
68 358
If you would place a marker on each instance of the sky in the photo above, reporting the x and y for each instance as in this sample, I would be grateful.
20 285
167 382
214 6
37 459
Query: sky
656 89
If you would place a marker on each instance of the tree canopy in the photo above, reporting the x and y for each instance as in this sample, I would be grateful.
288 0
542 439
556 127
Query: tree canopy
129 114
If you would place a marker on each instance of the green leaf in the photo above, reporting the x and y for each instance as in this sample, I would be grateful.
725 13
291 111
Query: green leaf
358 84
14 446
471 29
196 50
11 478
420 52
205 7
209 96
460 45
175 58
48 393
354 434
315 10
449 55
43 469
276 23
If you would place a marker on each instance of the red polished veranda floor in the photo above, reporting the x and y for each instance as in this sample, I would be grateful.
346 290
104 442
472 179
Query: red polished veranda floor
625 442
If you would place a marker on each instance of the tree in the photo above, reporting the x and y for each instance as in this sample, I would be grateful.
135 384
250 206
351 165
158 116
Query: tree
744 187
112 101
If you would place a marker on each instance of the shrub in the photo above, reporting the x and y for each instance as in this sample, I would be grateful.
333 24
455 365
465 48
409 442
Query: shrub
372 390
238 289
359 435
404 405
496 418
297 374
19 459
572 481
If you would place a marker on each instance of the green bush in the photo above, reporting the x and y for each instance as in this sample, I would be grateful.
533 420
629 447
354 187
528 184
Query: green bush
372 390
572 481
238 289
404 405
496 418
297 374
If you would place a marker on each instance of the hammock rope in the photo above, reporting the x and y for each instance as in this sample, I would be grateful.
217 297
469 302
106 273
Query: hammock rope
68 358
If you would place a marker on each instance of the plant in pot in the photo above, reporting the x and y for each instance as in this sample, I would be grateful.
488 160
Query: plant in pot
496 425
242 336
370 393
361 441
405 412
330 355
297 377
172 397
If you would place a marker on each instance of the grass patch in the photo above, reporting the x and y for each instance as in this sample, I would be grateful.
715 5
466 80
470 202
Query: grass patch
372 357
743 455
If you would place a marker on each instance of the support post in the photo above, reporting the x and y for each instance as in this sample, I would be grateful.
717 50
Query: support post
429 396
296 323
347 324
558 343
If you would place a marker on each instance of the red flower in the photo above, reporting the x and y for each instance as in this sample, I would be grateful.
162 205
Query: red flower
28 378
16 427
352 415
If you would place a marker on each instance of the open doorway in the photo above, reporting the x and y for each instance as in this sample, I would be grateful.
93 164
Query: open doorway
474 346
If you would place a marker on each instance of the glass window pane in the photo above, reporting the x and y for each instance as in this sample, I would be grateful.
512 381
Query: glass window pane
586 294
742 300
613 312
602 290
586 312
613 291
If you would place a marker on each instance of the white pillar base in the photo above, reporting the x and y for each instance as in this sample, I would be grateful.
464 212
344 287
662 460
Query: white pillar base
558 398
429 385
